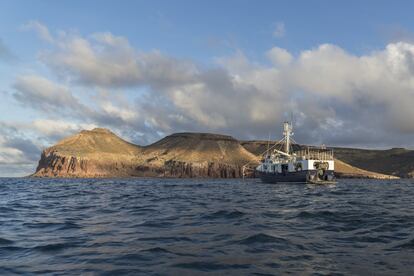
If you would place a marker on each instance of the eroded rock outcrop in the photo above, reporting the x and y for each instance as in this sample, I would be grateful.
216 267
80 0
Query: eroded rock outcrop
100 153
94 153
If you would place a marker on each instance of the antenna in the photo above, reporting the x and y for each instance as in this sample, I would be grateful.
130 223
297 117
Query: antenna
287 133
268 142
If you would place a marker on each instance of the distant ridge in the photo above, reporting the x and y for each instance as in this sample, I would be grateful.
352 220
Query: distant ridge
101 153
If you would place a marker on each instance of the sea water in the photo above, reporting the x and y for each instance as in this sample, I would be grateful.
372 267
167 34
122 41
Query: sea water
204 226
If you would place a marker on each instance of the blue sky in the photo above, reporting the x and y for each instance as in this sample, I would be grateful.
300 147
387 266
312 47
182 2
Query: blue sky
184 28
146 69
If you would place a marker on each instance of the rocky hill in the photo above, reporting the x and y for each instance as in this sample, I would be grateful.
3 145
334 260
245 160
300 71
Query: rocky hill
198 155
344 170
100 153
396 161
94 153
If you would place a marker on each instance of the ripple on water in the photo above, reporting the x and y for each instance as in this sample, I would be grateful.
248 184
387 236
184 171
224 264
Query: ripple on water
234 227
210 266
156 224
5 241
51 247
166 239
224 214
406 245
262 238
156 250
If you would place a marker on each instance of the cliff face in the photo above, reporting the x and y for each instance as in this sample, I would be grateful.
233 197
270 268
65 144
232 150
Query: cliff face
55 164
95 153
100 153
198 155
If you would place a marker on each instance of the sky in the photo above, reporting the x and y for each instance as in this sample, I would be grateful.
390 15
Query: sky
343 70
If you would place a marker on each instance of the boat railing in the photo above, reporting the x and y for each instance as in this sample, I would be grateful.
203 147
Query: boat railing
315 153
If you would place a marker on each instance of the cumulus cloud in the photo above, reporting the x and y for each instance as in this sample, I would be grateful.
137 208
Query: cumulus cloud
279 56
106 60
337 97
18 153
58 129
41 30
41 93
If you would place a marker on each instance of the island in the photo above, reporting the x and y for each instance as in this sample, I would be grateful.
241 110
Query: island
101 153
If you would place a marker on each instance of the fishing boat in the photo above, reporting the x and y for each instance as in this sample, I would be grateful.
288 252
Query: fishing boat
288 162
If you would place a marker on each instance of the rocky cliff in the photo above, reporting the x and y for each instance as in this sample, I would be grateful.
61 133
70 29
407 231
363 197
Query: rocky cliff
95 153
100 153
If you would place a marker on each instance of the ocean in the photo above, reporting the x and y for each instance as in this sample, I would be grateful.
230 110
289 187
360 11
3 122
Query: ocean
204 226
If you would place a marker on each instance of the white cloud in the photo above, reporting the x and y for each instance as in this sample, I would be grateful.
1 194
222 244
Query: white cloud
121 112
337 97
18 154
38 91
106 60
58 128
10 155
341 98
279 30
279 56
41 30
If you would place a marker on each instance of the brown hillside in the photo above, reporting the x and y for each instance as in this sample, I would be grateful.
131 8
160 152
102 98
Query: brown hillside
197 155
97 140
100 153
200 147
396 161
94 153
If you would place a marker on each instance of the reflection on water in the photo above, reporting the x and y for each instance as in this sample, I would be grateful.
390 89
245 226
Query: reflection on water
173 226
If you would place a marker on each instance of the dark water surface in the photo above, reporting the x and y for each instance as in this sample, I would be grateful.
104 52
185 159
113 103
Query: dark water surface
221 227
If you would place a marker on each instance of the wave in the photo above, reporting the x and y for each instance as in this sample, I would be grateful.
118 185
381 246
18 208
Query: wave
156 224
262 238
55 225
406 245
51 247
4 241
224 214
151 227
156 250
166 239
211 266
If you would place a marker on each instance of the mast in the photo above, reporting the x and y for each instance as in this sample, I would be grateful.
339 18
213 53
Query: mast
287 132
